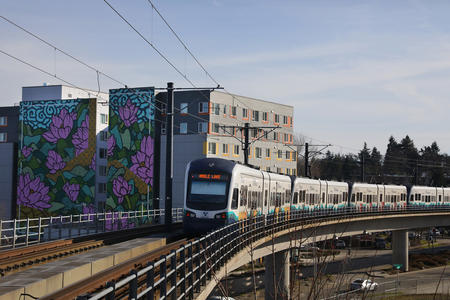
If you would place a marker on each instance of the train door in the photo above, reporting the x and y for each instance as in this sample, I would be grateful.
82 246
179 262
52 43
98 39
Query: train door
266 189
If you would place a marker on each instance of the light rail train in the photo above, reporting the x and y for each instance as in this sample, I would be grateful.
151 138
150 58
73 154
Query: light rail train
219 192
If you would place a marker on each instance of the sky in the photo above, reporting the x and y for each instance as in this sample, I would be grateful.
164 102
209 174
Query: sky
355 71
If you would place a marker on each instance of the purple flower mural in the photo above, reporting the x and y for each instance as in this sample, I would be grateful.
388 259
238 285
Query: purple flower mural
54 162
60 126
32 193
142 161
86 210
72 190
26 151
81 138
111 145
121 188
93 164
128 113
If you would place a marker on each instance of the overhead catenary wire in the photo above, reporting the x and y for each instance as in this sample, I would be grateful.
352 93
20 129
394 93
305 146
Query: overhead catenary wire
47 73
61 51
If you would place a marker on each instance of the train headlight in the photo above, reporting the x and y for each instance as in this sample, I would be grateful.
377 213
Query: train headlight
190 214
221 216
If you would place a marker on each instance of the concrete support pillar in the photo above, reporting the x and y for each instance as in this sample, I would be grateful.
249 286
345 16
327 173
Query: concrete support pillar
276 276
400 248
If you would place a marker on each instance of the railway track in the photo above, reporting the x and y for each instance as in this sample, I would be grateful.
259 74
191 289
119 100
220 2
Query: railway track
102 279
25 258
19 259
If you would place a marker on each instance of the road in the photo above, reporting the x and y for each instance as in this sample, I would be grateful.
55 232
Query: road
344 268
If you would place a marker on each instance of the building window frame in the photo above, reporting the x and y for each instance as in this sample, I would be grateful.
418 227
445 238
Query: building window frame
202 127
203 108
225 149
103 135
236 150
3 121
258 152
104 118
3 137
212 148
102 170
183 128
255 115
265 117
102 153
245 113
233 111
101 188
184 108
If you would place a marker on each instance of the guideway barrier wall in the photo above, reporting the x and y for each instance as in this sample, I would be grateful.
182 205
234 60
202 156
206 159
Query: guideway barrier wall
184 273
23 232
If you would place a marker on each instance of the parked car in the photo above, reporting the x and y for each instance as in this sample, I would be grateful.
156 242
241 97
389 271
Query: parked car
309 247
340 244
363 285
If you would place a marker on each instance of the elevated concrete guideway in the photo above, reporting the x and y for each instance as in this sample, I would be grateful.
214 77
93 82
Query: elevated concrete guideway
275 245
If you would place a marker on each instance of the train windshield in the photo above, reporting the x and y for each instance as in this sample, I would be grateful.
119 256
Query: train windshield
207 191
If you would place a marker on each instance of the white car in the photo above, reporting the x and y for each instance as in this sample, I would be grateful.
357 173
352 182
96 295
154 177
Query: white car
364 285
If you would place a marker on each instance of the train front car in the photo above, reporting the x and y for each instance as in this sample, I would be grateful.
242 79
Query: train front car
207 194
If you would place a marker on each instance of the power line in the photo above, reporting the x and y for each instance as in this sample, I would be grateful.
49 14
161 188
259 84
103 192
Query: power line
62 51
150 44
48 73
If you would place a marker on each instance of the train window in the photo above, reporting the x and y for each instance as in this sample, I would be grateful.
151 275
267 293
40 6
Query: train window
234 200
381 197
295 200
265 197
243 195
440 198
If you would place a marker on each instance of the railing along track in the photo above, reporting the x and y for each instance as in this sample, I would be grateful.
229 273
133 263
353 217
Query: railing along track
182 273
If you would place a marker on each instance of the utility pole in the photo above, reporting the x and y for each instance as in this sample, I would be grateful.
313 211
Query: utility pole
306 160
246 129
169 156
246 143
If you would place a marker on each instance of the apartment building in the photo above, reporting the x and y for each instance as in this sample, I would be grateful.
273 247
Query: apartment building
9 120
208 124
64 144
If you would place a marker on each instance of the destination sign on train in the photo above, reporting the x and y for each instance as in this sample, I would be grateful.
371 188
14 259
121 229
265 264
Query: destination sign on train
210 176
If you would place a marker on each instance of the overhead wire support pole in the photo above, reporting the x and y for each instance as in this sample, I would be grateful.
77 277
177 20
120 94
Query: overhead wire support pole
246 143
169 156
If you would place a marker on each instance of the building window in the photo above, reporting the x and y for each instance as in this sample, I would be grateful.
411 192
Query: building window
103 135
215 127
216 108
288 154
294 156
265 116
253 132
267 152
285 120
233 111
183 128
102 188
277 118
244 113
104 118
203 107
163 127
212 148
280 154
183 108
3 137
236 150
258 152
225 148
102 153
102 170
202 127
3 121
255 116
286 138
275 136
224 109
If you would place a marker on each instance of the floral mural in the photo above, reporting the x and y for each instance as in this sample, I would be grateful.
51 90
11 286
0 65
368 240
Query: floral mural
56 155
130 149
